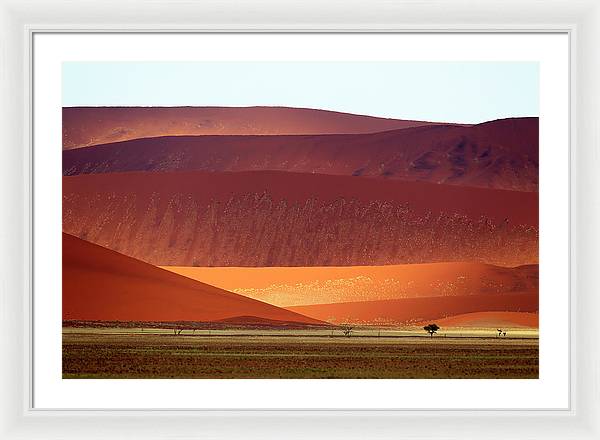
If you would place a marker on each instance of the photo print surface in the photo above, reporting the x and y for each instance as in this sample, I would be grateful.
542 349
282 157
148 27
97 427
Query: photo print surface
304 220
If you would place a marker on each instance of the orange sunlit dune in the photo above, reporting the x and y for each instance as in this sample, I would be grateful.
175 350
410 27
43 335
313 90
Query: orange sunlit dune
416 310
491 320
102 285
294 286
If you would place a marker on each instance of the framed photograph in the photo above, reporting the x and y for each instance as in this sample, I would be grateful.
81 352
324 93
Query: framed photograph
283 220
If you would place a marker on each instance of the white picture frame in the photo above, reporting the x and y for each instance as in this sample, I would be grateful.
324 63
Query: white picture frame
19 21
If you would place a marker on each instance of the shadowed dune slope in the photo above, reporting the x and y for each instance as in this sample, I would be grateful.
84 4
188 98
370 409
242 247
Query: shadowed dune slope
292 286
500 320
272 218
103 285
83 126
416 310
500 154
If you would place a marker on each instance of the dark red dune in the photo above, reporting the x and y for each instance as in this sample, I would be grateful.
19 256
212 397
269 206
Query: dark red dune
83 126
416 310
500 154
102 285
289 219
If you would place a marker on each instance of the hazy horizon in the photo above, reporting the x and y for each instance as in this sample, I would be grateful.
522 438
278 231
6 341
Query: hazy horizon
460 92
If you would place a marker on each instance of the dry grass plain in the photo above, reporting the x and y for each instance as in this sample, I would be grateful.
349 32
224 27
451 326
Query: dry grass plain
294 354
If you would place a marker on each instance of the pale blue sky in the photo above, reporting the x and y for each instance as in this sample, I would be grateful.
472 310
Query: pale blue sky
468 92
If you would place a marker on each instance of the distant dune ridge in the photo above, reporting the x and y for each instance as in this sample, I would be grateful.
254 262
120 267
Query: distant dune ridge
416 310
84 126
500 154
103 285
293 286
289 219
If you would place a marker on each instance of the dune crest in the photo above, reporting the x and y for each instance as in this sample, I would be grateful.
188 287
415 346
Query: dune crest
84 126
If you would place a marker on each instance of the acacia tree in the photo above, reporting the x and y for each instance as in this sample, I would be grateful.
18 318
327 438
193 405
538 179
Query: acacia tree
431 329
347 329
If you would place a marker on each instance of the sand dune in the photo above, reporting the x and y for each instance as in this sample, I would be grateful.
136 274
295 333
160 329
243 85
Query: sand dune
501 320
103 285
293 286
254 219
417 310
83 126
500 154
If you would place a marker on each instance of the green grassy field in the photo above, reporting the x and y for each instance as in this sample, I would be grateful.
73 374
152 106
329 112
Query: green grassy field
113 353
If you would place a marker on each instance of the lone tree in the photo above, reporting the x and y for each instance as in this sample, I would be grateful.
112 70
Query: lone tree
347 329
431 329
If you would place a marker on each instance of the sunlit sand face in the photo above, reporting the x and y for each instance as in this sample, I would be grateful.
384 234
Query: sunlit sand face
293 286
